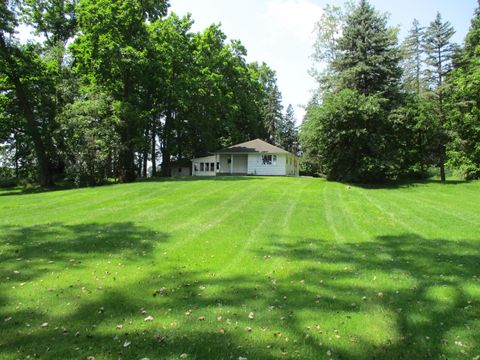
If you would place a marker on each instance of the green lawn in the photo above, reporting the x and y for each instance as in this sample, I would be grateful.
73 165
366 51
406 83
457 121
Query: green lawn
253 267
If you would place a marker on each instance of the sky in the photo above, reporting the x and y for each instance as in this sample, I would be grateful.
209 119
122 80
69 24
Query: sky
280 32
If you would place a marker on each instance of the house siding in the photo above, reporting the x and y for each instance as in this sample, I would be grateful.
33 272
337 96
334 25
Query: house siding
208 160
255 166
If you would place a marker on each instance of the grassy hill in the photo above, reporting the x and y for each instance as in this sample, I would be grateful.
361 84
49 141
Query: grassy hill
251 267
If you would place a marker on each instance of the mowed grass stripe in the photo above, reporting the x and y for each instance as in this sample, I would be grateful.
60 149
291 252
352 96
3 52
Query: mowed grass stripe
359 273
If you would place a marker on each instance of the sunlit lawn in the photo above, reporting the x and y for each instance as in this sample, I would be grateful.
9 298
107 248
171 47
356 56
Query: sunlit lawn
251 267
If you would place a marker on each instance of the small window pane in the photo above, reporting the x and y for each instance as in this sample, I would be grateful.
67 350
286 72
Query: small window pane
212 166
202 167
267 159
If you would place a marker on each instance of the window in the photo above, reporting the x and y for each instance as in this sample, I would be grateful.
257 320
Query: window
202 167
218 165
212 166
266 159
195 166
269 159
179 169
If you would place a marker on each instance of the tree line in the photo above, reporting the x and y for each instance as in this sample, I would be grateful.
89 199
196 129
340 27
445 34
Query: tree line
107 87
389 110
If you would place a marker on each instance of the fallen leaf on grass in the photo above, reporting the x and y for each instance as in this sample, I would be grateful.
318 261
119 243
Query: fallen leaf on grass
126 343
148 318
201 318
44 325
161 291
248 329
120 326
251 315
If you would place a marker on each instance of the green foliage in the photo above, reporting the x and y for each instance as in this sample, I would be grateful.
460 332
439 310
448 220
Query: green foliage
89 126
288 138
352 137
413 59
367 55
348 129
464 105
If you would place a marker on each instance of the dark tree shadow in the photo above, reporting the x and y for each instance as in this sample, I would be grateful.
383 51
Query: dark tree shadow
325 268
401 184
33 250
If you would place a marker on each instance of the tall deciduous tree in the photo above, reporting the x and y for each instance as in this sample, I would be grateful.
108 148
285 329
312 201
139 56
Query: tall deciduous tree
24 71
464 104
110 53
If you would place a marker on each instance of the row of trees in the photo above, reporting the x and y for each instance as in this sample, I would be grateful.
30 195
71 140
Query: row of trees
386 110
108 86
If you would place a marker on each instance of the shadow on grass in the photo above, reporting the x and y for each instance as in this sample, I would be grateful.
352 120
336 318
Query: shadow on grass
424 287
401 184
37 190
33 250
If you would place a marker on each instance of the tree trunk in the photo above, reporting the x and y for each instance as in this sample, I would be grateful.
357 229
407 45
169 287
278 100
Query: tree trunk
126 161
166 153
145 158
441 165
154 149
44 165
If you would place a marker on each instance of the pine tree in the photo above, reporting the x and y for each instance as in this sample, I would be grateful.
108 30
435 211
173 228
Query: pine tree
413 59
439 50
368 56
289 133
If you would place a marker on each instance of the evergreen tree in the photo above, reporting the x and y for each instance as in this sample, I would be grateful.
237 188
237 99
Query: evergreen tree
352 132
413 59
289 133
368 55
439 50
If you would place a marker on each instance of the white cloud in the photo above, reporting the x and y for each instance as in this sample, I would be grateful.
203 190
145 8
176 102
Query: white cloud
296 17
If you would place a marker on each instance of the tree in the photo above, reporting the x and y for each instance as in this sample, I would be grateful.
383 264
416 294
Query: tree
352 133
413 59
90 129
289 133
110 53
271 103
439 51
368 56
464 104
22 69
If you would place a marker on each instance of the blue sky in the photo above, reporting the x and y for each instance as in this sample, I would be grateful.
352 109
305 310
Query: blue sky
279 32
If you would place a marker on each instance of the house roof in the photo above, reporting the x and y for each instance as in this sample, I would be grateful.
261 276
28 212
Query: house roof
253 146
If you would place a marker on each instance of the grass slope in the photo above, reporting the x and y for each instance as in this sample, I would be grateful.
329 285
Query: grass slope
252 267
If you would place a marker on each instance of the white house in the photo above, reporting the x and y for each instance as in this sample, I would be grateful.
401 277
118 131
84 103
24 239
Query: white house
255 157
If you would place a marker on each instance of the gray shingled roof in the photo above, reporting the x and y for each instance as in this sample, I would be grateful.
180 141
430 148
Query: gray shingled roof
252 146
